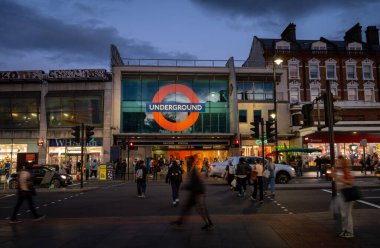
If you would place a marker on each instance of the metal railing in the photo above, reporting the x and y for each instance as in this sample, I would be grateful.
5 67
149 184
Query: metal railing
180 62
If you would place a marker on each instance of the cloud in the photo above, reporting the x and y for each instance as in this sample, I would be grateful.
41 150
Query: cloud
278 8
26 31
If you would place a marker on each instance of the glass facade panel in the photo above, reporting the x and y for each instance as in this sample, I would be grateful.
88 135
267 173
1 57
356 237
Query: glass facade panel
211 92
19 112
68 111
259 91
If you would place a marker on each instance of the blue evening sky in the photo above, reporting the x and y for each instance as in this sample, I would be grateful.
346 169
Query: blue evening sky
76 34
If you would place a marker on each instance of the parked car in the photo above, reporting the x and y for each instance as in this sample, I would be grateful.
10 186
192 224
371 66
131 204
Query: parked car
377 172
284 173
38 173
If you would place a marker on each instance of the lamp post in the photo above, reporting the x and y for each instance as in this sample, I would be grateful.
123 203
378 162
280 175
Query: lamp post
276 61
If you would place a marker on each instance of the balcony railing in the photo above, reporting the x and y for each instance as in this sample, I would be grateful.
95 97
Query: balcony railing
180 62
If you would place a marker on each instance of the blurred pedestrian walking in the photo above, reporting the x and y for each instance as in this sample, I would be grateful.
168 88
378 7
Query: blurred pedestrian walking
196 198
25 191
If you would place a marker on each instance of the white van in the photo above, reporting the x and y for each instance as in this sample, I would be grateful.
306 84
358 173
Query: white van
283 172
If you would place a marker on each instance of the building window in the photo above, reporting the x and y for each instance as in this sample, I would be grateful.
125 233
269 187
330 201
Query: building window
354 46
351 70
64 109
254 91
294 93
368 95
331 69
242 115
352 91
313 71
369 92
334 89
314 92
293 69
367 70
318 46
283 45
257 115
19 110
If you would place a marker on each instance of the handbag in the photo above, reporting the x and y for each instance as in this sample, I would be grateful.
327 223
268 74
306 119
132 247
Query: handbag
266 173
351 193
233 183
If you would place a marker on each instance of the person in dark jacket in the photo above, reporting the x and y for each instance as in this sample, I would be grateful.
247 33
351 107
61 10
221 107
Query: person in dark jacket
197 197
174 177
141 172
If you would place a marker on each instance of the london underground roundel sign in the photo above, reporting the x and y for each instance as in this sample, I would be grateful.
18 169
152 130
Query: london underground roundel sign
157 107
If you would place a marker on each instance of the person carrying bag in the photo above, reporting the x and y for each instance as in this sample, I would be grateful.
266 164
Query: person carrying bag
344 183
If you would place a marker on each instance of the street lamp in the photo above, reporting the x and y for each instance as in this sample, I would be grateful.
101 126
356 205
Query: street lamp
276 61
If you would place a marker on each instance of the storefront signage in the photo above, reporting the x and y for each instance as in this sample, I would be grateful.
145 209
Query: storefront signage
157 107
87 73
19 75
71 142
175 107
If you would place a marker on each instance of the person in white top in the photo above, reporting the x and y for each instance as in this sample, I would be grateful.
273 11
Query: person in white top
257 177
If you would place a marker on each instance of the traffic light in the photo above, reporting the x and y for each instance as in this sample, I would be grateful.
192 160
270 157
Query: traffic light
335 109
270 129
255 129
236 143
131 145
307 111
328 100
76 133
89 133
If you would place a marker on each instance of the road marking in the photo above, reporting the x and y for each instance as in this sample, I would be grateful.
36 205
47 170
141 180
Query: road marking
7 196
361 201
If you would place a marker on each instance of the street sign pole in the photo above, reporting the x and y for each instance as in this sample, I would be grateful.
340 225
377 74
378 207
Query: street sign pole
330 115
262 139
81 155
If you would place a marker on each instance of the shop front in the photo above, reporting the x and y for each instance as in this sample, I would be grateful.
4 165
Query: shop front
67 152
10 148
352 146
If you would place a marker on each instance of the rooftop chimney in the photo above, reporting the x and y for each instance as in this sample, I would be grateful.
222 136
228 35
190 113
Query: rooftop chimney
354 34
289 33
372 35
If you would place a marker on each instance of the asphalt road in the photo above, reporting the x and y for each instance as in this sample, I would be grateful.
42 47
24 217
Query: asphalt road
120 199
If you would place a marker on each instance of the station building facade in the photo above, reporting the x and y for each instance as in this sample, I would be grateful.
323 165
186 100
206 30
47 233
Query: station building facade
176 109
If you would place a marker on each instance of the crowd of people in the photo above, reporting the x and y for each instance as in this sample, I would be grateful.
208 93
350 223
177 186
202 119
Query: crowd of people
261 176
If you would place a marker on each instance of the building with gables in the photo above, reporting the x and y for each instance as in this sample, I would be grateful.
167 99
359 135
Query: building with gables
350 66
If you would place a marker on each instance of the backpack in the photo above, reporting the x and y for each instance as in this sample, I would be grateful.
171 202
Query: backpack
176 173
139 174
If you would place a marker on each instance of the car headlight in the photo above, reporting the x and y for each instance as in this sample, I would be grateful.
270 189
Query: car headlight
63 177
291 168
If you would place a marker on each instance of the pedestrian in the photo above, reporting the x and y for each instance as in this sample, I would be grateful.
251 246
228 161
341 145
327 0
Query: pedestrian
271 181
94 168
344 179
257 178
241 176
230 171
197 198
123 169
318 165
25 191
174 178
299 166
140 176
206 166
